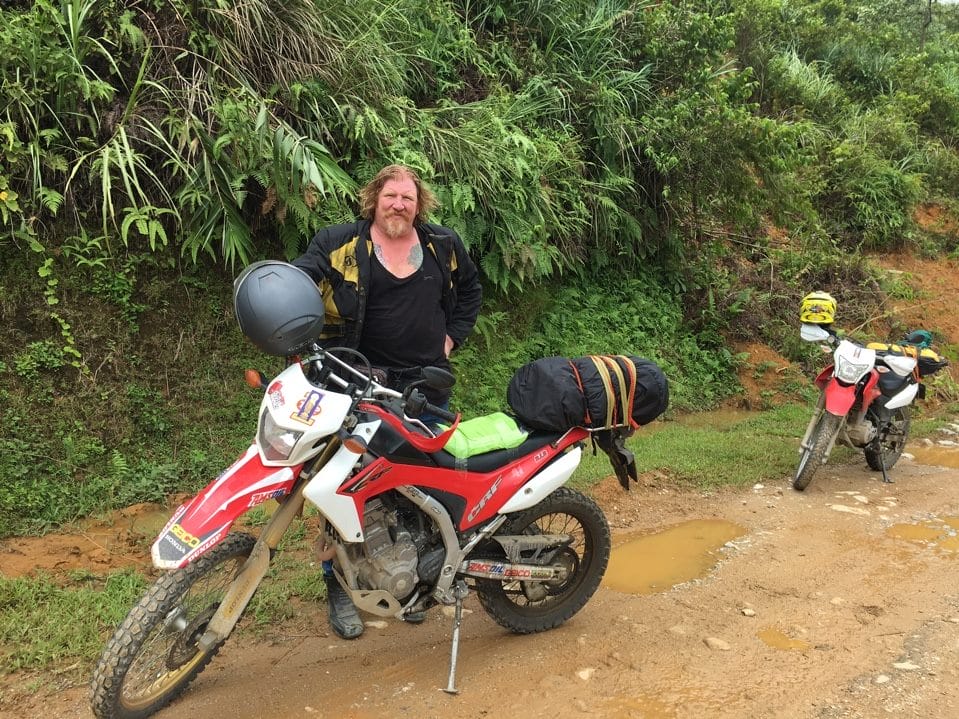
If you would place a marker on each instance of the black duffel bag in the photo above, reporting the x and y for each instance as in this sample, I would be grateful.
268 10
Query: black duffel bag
598 391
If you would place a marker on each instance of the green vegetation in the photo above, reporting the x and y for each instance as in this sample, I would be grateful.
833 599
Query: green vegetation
755 448
651 178
43 623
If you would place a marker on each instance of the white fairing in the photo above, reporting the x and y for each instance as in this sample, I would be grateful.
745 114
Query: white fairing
901 365
339 509
550 478
905 397
296 405
852 362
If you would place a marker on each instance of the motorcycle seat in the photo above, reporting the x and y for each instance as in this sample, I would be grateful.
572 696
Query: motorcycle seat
490 461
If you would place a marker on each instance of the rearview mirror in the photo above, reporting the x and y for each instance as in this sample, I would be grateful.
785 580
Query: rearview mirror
438 378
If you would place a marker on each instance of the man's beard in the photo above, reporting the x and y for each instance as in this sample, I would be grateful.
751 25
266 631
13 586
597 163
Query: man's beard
396 226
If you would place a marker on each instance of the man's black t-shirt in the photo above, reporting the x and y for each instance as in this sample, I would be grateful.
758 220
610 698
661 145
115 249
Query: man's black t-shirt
405 325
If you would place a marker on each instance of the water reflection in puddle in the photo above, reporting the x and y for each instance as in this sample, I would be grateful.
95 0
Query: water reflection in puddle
942 533
655 562
776 639
935 455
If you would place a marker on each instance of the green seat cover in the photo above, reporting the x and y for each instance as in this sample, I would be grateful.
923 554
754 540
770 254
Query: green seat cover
485 434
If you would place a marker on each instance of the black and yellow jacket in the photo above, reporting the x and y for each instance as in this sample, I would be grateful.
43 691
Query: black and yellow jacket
338 260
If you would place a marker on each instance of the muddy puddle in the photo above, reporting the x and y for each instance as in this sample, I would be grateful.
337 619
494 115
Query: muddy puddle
653 563
938 532
772 637
936 455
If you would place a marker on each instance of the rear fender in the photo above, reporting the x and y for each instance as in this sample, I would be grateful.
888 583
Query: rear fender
549 478
201 523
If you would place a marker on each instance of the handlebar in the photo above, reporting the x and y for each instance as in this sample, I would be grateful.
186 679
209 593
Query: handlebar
413 404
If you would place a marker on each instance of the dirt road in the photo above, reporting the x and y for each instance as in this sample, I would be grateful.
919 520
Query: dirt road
842 601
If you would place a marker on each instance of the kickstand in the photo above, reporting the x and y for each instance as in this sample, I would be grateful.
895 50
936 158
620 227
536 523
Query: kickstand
882 461
460 592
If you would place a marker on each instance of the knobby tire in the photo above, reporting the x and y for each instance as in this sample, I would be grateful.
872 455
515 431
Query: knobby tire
153 655
892 444
812 458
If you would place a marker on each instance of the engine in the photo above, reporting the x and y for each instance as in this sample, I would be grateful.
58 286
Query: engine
388 557
860 433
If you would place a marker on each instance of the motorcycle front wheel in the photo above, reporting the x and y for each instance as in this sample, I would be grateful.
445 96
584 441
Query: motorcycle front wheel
891 441
815 454
528 607
153 655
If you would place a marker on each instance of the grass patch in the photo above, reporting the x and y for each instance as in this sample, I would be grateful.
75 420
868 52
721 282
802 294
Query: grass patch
43 623
695 450
713 449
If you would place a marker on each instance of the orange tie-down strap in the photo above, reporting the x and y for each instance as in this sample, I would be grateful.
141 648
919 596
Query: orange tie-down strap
619 409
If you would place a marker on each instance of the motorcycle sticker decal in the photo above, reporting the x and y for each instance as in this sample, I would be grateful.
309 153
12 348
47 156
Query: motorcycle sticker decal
308 407
484 499
175 544
374 474
275 393
506 571
184 536
260 497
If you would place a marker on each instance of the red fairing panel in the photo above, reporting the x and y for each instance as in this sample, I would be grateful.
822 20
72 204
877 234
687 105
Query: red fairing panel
204 520
839 398
483 494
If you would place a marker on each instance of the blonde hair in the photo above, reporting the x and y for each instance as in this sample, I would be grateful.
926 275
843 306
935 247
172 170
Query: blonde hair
426 201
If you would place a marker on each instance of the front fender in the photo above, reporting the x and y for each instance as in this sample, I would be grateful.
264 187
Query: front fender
202 522
839 398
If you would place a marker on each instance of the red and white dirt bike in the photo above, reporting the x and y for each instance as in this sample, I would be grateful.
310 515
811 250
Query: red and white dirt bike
408 525
864 403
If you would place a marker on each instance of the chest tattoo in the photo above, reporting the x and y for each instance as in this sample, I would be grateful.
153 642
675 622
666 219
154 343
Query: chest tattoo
415 259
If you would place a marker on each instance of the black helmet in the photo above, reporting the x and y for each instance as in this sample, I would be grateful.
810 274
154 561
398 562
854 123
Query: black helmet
278 307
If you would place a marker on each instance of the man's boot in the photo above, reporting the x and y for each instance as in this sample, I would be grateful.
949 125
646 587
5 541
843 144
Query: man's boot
344 619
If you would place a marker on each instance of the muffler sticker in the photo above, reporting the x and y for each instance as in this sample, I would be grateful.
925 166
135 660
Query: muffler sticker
498 570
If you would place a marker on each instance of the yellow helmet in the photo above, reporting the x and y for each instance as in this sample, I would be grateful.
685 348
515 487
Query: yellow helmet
817 308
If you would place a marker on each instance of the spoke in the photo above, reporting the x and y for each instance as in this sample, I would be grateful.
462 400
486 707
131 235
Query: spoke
560 523
150 674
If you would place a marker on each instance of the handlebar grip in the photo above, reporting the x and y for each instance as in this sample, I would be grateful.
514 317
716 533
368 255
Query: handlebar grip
443 414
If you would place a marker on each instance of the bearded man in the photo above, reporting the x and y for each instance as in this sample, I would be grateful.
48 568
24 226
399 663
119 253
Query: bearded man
402 291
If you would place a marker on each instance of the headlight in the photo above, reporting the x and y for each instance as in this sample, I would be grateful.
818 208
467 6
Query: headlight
276 442
850 371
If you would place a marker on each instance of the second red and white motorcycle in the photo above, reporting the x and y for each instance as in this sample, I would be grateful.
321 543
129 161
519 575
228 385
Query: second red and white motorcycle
864 400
